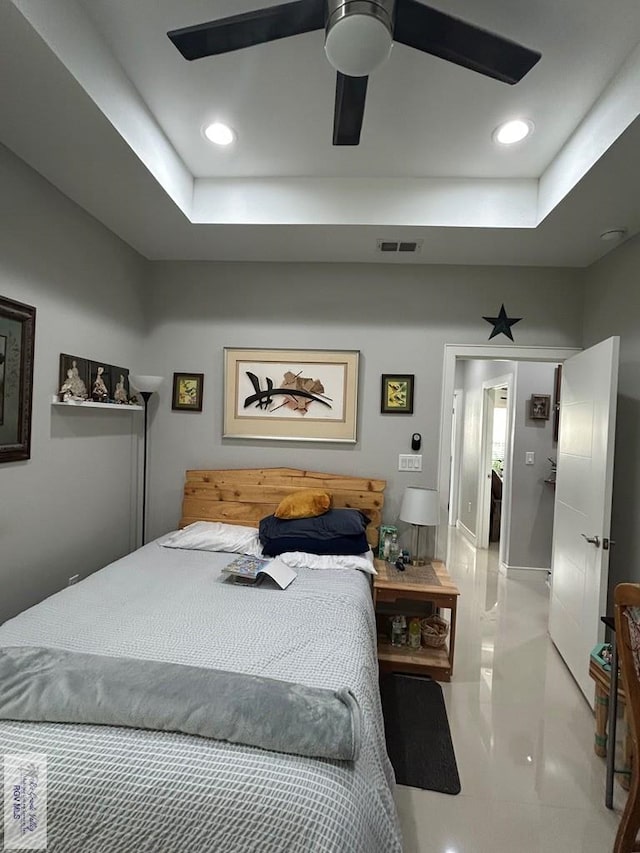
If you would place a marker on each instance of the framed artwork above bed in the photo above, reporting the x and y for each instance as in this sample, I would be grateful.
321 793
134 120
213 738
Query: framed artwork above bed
286 394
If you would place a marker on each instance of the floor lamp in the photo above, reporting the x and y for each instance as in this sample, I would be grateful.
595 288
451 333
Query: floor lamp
420 508
146 386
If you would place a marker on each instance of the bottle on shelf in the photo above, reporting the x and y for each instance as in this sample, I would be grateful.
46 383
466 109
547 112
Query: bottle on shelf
404 634
398 624
414 633
394 549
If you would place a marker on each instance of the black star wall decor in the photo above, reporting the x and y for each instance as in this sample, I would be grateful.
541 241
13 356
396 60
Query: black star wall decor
502 324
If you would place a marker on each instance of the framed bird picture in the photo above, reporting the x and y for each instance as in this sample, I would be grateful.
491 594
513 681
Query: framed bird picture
397 394
187 392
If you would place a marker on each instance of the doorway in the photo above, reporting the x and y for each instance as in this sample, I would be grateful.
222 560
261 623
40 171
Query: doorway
583 481
454 354
500 491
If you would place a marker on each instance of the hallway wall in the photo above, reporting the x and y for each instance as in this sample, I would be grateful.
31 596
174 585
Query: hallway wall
532 500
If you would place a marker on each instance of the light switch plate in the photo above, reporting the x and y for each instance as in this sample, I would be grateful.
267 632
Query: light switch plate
529 457
410 462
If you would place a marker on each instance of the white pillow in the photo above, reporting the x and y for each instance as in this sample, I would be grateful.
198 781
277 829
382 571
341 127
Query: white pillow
303 560
216 536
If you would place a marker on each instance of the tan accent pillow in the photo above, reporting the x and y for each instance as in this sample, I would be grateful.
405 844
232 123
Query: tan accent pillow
307 503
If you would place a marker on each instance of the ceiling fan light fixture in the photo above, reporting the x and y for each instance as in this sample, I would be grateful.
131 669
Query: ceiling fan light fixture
219 133
513 131
358 36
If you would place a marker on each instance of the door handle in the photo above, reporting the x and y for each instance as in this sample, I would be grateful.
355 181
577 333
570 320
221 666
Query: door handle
593 540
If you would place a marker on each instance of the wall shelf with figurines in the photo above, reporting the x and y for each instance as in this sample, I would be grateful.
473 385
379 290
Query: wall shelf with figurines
91 384
88 404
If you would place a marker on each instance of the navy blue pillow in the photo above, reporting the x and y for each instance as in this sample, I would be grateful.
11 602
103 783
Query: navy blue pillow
338 531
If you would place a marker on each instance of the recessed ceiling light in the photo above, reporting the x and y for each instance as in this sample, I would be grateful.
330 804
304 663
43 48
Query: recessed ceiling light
613 234
512 131
218 133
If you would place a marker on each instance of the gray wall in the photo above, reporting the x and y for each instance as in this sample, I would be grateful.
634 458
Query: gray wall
69 508
532 500
399 317
72 507
612 307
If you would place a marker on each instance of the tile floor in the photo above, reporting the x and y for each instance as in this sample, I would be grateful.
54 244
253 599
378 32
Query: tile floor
523 733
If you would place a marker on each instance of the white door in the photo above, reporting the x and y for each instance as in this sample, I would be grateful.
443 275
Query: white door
582 520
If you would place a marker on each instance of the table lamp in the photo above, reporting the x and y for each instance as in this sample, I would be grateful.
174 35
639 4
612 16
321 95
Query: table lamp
145 385
420 508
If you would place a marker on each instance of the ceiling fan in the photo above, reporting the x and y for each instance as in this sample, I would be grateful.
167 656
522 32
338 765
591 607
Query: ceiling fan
359 35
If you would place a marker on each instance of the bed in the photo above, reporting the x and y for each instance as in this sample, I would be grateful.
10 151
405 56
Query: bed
117 789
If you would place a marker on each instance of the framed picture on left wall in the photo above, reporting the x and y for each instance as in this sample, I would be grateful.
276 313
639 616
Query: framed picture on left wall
17 335
187 392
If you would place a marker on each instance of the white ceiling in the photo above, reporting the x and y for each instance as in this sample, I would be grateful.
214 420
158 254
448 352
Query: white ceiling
124 113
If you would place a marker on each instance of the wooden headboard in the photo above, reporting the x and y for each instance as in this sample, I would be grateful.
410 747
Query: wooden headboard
245 495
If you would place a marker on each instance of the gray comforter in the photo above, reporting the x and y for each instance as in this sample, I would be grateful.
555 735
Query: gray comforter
55 686
124 790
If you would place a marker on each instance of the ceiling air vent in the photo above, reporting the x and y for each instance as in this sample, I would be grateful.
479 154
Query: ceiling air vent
394 246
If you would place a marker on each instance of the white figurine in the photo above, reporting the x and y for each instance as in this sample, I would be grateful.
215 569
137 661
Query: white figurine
73 388
120 394
99 391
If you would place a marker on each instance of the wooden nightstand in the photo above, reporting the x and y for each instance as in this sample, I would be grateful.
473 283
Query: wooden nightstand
407 592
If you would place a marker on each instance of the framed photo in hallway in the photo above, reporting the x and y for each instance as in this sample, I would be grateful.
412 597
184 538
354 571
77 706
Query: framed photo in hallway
17 335
540 406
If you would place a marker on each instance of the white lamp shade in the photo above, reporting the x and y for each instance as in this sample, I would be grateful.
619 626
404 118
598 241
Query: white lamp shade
420 506
145 383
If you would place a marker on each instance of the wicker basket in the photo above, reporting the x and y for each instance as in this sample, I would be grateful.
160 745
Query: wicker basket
435 631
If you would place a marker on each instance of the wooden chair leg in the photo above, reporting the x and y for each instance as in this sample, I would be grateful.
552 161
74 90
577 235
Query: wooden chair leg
625 780
630 821
602 712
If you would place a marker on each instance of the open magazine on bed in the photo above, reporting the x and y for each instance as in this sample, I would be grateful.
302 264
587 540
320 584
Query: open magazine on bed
246 569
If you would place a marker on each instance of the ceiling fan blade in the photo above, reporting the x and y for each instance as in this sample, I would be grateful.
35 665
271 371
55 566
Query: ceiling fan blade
351 93
464 44
238 31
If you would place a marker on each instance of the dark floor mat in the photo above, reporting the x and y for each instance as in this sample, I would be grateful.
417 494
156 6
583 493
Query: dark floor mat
417 732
